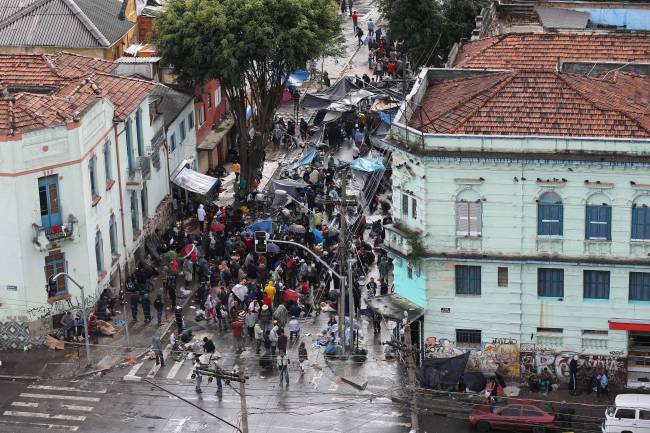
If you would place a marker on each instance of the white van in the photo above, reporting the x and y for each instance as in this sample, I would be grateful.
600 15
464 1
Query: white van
630 414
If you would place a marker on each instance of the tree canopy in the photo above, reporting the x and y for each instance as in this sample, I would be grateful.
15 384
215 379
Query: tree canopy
428 29
250 46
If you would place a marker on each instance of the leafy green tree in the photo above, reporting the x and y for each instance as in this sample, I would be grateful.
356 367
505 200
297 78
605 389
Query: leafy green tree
427 29
250 46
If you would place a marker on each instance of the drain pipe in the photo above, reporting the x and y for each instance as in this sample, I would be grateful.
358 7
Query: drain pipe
119 184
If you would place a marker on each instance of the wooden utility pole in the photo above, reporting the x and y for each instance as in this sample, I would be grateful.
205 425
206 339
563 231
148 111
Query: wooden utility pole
233 376
242 398
410 365
343 253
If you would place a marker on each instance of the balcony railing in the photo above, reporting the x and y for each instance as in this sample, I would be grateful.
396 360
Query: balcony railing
43 236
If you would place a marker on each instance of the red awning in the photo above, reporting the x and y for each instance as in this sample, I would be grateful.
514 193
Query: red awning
629 325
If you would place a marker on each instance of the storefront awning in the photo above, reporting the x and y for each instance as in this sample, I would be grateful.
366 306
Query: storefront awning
215 136
194 181
629 324
393 306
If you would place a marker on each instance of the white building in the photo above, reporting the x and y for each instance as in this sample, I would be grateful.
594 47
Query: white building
526 193
84 180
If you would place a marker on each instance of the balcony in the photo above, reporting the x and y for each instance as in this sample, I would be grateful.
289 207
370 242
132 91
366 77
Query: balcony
139 173
399 238
45 236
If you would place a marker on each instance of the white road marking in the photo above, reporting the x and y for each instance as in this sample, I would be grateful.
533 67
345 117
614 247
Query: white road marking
79 408
156 367
44 415
58 397
189 375
391 423
24 404
64 388
38 424
135 369
174 370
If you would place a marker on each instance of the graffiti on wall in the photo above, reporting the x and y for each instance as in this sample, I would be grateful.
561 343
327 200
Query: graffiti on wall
588 365
490 357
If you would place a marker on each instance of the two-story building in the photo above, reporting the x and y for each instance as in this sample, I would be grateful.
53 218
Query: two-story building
524 191
83 177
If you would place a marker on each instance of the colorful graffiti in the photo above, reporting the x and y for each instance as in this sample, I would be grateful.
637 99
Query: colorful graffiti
588 365
489 358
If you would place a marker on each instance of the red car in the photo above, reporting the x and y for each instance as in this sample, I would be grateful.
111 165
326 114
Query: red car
519 415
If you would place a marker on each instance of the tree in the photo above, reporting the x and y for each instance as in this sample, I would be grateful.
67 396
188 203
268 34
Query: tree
427 29
251 46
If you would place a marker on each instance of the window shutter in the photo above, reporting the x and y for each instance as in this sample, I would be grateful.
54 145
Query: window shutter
607 210
474 216
560 213
462 218
540 218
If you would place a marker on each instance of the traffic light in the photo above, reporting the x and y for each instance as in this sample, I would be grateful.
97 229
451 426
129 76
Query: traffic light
260 242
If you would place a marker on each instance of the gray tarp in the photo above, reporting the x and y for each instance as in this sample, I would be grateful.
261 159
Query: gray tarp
350 101
193 181
320 100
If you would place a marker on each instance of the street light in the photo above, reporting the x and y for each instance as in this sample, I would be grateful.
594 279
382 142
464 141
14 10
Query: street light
83 307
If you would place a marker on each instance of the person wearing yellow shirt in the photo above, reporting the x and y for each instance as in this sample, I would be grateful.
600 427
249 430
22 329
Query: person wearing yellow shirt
270 291
236 168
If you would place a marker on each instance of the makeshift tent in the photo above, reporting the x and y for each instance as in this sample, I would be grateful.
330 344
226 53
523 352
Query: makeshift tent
442 373
350 100
194 181
367 165
296 78
319 100
306 159
290 187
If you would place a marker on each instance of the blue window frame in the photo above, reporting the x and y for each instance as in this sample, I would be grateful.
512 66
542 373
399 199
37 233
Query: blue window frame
172 141
108 164
550 282
99 251
55 265
92 169
190 120
595 285
182 129
639 286
598 222
641 222
144 199
112 228
468 280
134 211
48 194
129 145
550 215
138 128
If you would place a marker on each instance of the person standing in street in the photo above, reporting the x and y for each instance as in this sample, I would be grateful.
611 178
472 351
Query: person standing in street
200 215
302 356
178 315
282 341
350 6
249 321
371 288
283 367
355 20
146 307
259 336
573 375
360 35
237 331
371 27
135 299
157 348
236 168
159 306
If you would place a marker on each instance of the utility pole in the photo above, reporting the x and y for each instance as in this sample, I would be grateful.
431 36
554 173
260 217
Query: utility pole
233 376
52 280
410 365
351 301
242 398
343 253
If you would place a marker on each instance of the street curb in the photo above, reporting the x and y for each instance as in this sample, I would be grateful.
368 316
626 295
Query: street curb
358 383
5 376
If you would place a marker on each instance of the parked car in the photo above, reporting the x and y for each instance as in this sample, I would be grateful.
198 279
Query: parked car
517 415
630 413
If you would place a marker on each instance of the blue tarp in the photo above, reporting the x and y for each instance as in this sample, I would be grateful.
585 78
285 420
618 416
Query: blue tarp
249 112
630 19
318 235
367 165
307 158
261 226
296 78
386 118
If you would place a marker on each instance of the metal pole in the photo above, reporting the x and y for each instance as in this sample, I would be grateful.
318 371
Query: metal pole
296 244
83 306
343 255
126 328
351 301
242 398
415 425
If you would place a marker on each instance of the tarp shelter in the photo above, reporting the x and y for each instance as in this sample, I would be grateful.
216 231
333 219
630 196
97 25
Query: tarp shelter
261 226
320 100
392 307
289 187
193 181
368 165
306 159
442 373
350 101
296 78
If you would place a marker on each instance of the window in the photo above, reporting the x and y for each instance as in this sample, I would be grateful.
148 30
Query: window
202 115
639 286
511 411
530 411
92 169
598 223
112 228
468 337
99 251
172 141
468 218
550 282
468 280
48 194
134 211
182 129
144 199
595 284
640 222
217 96
550 336
138 129
644 414
129 146
594 339
190 120
55 264
502 277
414 208
108 164
626 414
549 215
209 100
405 205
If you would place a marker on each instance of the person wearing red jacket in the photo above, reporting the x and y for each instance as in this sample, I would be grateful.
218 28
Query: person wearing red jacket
237 332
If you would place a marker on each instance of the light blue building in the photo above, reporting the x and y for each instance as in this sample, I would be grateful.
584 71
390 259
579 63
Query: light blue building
528 195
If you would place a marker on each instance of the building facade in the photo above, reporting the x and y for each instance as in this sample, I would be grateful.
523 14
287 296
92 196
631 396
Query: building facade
532 235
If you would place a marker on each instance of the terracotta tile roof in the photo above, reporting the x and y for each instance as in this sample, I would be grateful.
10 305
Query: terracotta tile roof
538 102
58 87
543 50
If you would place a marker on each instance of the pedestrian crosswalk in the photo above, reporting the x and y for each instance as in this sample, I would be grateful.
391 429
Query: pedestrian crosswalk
51 407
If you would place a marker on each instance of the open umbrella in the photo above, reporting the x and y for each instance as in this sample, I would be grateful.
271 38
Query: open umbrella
297 228
289 295
240 291
217 227
272 248
187 251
